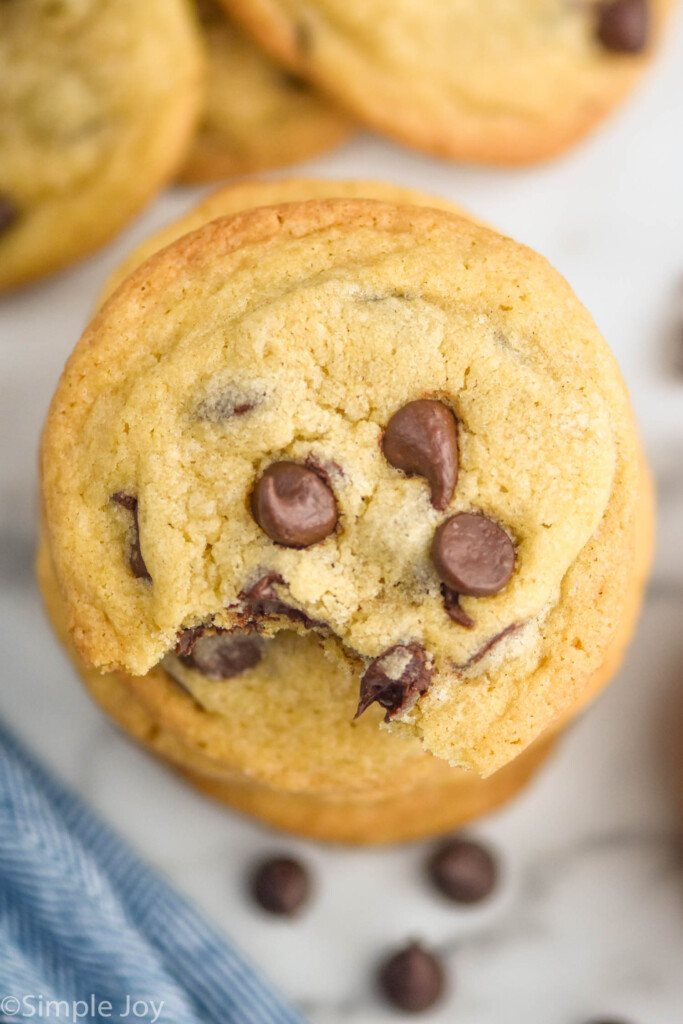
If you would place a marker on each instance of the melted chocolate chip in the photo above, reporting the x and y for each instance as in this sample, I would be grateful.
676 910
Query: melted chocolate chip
396 680
623 26
454 610
473 555
463 870
281 885
261 601
412 979
222 655
493 642
9 213
135 559
293 505
421 438
229 404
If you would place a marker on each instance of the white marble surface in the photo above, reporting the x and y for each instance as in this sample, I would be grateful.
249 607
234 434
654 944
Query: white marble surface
589 918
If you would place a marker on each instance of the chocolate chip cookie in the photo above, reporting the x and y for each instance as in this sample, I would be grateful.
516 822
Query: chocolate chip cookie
482 80
98 102
256 114
384 431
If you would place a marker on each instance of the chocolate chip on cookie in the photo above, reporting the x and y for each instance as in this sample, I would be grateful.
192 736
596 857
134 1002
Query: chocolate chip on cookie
135 559
623 25
9 214
421 438
293 505
454 610
221 655
464 871
231 402
396 680
281 885
473 555
412 979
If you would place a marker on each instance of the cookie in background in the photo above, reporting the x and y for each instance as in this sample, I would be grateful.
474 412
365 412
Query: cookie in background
488 81
256 115
98 104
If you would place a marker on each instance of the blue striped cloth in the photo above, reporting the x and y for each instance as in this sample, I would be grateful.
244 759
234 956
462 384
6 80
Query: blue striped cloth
89 932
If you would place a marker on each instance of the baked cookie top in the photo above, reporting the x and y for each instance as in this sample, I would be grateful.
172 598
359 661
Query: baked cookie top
256 115
246 195
496 81
98 99
385 424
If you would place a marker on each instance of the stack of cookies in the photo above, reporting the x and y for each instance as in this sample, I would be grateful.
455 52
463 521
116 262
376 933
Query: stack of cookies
344 510
104 103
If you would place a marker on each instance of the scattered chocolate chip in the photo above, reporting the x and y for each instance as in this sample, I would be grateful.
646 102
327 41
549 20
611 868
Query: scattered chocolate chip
451 602
281 885
473 555
293 505
221 655
412 979
463 870
135 559
624 25
396 680
9 213
421 438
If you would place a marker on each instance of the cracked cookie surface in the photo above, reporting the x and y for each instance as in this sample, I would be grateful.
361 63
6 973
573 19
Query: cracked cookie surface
256 114
485 80
98 100
327 317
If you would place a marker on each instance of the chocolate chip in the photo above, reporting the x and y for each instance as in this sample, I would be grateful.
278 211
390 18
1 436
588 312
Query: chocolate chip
281 885
9 213
135 559
451 602
293 505
624 25
493 642
473 555
221 655
261 601
421 438
412 979
396 680
229 403
463 870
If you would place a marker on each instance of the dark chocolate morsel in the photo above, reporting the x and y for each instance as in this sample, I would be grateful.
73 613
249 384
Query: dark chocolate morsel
293 505
281 885
396 680
473 555
454 610
261 601
623 26
221 655
9 213
135 559
493 642
422 438
463 870
412 979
